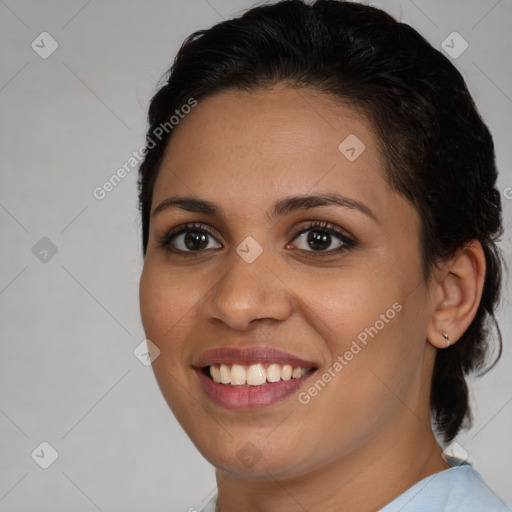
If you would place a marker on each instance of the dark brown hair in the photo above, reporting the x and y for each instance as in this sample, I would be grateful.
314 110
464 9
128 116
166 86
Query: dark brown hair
439 153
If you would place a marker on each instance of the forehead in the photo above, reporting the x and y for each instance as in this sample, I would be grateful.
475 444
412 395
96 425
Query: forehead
247 148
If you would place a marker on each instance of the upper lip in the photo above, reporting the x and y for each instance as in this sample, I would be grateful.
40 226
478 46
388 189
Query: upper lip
248 356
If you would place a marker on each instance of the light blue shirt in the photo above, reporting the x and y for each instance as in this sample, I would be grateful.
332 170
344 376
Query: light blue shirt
457 489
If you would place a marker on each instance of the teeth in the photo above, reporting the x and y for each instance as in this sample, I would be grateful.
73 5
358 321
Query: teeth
286 372
273 373
238 375
225 374
215 372
255 374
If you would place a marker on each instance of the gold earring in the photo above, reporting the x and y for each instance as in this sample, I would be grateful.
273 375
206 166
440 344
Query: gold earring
446 339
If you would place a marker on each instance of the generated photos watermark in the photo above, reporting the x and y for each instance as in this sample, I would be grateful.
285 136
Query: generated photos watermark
100 192
355 348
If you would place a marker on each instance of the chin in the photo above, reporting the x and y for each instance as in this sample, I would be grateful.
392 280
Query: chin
243 458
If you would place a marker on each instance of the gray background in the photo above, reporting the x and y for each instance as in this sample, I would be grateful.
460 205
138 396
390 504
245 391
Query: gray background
70 323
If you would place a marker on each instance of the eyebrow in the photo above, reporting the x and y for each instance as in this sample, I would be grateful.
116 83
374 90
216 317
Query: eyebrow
279 209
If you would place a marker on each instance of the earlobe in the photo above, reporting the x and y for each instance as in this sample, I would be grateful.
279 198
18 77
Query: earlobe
457 295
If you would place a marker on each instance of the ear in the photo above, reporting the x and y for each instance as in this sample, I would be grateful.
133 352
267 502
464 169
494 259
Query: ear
456 294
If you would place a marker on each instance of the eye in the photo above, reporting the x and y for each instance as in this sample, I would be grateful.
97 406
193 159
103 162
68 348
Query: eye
323 239
316 238
188 238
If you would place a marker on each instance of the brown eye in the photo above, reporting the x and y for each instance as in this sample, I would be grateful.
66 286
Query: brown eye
195 240
189 238
323 238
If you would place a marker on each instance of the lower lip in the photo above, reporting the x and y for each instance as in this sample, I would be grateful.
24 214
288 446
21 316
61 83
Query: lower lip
249 397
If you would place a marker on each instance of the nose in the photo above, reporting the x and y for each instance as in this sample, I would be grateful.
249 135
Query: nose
248 293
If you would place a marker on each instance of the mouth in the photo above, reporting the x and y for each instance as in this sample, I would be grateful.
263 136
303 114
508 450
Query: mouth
257 374
251 377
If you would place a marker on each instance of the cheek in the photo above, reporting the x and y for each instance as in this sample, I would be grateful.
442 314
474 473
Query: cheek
373 331
349 305
167 304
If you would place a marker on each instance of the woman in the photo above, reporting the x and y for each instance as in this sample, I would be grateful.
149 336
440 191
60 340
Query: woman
319 221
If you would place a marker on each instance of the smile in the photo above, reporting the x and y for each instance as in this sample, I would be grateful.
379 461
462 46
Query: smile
250 377
255 374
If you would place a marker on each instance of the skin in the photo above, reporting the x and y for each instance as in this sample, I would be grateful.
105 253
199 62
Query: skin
368 429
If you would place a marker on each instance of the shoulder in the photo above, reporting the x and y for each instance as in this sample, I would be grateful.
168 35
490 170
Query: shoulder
458 489
210 506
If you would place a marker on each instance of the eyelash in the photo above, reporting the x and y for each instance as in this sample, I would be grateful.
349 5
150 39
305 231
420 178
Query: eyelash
348 243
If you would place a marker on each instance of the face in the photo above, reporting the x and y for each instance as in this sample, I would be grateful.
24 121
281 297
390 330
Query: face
259 282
